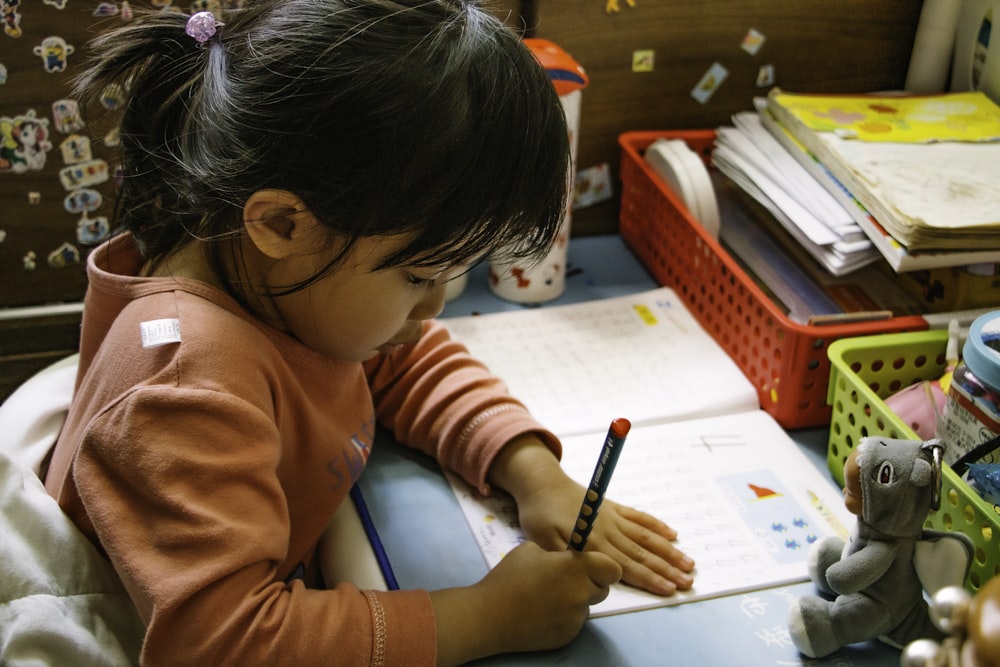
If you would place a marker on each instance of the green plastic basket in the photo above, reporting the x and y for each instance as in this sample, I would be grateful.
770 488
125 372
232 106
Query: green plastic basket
866 369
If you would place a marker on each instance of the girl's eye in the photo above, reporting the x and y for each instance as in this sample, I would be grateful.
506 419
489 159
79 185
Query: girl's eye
418 281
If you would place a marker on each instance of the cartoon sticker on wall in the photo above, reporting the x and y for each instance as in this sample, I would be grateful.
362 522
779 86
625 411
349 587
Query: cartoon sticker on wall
84 174
89 230
753 41
76 148
105 9
3 74
765 76
613 6
84 200
11 18
55 53
709 82
112 96
63 256
24 142
66 115
92 231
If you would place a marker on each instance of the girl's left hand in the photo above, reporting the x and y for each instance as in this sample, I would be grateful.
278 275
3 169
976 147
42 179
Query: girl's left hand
548 502
640 543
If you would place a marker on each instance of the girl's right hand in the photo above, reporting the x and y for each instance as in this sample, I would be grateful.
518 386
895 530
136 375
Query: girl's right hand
532 600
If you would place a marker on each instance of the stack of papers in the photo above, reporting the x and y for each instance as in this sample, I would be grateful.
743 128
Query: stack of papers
752 158
921 171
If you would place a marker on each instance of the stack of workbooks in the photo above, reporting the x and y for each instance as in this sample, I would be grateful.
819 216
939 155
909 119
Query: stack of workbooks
754 160
918 173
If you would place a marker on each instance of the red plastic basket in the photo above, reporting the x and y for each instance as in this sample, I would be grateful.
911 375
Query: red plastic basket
786 361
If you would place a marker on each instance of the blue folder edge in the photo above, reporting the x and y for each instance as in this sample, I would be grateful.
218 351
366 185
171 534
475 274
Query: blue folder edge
374 539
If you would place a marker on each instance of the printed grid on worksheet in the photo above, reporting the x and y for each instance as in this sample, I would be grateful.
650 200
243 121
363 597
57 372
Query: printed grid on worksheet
747 505
577 367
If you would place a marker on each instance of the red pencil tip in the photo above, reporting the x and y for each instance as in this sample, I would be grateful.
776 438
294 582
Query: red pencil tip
620 427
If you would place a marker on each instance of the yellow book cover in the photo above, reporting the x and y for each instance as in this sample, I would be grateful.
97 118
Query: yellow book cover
964 117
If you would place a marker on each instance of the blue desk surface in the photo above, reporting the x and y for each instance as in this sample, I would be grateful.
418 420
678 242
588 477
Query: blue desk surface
430 545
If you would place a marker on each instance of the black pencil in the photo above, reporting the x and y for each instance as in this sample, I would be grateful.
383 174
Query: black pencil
599 481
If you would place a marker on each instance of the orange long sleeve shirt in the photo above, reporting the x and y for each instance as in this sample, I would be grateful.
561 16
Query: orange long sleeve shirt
206 467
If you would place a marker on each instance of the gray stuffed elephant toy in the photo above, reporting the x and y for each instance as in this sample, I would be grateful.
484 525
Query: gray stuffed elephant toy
877 579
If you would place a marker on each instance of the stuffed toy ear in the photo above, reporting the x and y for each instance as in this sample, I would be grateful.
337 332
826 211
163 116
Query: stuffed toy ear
921 474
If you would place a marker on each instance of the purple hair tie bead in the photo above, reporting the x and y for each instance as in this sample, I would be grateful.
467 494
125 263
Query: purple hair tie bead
201 26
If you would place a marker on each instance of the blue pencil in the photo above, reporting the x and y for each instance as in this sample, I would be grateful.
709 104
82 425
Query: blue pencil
599 481
377 547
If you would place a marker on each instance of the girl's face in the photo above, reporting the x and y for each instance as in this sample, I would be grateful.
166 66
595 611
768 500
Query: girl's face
355 312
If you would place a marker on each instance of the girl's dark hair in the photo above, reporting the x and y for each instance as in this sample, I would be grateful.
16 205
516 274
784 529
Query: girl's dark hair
422 117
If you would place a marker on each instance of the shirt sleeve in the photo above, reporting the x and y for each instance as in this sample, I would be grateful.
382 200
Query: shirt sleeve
437 398
183 490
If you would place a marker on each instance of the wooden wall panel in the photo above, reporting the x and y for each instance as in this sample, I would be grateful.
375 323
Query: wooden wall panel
37 229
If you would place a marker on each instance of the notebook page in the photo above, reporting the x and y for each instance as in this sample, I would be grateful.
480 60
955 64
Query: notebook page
746 502
577 367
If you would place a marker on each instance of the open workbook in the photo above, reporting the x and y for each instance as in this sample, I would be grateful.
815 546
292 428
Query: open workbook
701 455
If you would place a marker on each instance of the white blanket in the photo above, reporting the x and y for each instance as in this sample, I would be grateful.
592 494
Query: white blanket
60 600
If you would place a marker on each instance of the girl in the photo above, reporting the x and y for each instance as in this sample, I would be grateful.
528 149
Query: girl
300 182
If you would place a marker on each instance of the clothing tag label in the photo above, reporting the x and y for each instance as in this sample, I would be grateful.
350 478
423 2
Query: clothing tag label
160 332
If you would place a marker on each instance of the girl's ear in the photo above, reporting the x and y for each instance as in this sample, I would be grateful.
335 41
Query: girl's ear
281 226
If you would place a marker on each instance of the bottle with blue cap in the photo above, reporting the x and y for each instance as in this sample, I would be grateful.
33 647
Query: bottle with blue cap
971 414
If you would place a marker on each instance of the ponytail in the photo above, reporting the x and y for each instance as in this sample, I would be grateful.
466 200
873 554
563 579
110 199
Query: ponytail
161 71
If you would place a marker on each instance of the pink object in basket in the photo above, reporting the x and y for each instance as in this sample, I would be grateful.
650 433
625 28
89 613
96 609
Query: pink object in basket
919 406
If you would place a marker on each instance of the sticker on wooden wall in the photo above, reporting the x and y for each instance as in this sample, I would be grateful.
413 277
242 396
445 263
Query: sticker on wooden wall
753 41
113 137
11 18
28 261
643 60
112 96
75 149
34 198
66 115
3 74
24 142
213 6
709 83
55 53
84 200
105 9
58 4
91 231
765 76
84 174
64 256
612 6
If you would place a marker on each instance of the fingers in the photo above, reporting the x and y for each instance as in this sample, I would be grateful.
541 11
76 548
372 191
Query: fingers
643 569
643 546
603 572
647 521
602 569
